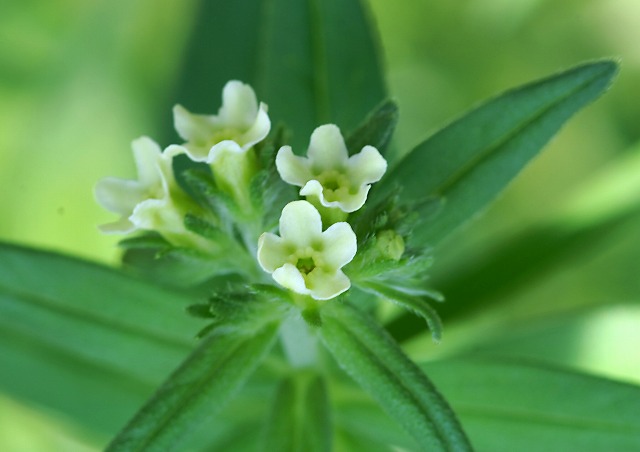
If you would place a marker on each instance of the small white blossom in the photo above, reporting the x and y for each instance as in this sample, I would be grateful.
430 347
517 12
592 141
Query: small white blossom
304 258
337 180
239 124
145 203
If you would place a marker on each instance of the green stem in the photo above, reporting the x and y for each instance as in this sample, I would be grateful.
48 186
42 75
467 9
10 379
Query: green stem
299 343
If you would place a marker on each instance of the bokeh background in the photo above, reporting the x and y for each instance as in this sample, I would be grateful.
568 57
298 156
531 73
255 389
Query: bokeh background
79 79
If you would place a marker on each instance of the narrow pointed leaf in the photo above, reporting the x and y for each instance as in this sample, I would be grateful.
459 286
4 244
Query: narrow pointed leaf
470 161
376 130
518 405
312 62
377 364
199 388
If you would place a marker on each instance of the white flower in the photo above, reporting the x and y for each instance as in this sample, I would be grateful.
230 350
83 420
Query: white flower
304 258
239 124
339 181
145 203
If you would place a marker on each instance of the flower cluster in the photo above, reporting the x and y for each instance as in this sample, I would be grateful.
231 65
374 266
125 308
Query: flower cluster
315 241
305 259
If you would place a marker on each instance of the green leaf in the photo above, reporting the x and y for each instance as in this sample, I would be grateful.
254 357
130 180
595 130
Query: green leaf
91 329
470 161
508 405
300 416
199 388
361 419
376 362
376 130
482 281
416 303
296 55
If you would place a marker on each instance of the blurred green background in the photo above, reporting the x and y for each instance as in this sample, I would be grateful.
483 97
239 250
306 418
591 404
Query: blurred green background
80 79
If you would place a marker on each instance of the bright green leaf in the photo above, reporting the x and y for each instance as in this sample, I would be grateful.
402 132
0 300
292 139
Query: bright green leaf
89 327
509 405
199 388
376 362
470 161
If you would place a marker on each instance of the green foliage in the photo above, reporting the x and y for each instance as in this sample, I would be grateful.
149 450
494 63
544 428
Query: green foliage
470 161
374 360
300 416
199 388
376 130
105 336
103 340
520 405
294 54
414 302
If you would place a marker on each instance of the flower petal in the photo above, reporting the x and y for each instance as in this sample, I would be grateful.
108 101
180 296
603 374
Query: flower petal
366 167
290 277
272 252
119 195
239 105
300 223
327 149
349 202
218 150
146 153
196 129
324 285
258 130
293 169
159 214
339 245
122 226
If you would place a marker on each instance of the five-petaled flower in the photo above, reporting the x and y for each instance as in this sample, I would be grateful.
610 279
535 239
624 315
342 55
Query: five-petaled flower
239 124
146 203
328 173
304 258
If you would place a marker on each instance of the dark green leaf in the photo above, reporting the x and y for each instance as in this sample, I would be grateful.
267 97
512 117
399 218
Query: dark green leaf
199 388
311 62
376 362
376 130
145 241
300 417
510 405
470 161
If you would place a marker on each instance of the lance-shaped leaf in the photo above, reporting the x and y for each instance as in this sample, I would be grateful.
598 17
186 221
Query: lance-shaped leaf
376 130
312 62
103 335
300 417
511 405
199 388
367 353
471 160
